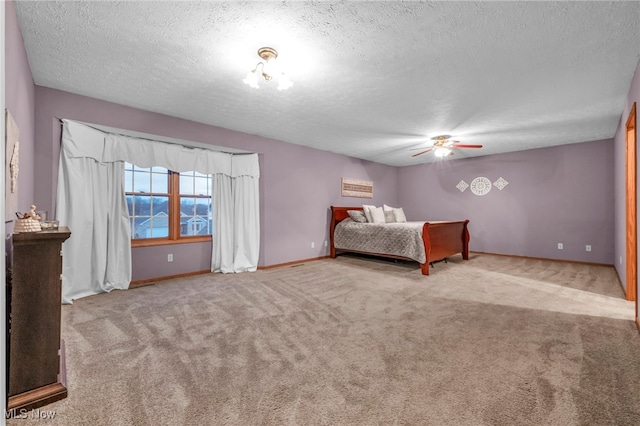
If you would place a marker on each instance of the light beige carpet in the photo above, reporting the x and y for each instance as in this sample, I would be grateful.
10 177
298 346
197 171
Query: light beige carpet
358 341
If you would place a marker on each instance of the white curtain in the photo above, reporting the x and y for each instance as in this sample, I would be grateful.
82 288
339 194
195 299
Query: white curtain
146 153
221 254
236 206
246 202
91 201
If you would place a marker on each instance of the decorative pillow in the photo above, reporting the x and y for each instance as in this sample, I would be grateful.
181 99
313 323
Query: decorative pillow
377 215
399 215
357 215
389 217
396 212
366 208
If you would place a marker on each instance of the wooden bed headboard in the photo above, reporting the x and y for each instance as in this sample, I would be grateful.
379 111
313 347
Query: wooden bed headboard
338 214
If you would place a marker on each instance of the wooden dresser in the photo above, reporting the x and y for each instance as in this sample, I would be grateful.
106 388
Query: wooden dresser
36 371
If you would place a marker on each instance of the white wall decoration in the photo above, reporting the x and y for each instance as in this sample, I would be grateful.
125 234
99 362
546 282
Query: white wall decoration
11 157
462 185
480 186
500 183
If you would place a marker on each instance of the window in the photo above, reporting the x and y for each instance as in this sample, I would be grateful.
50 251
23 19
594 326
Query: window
167 207
195 204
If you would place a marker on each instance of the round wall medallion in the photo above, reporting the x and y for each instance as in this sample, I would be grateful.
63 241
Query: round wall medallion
480 186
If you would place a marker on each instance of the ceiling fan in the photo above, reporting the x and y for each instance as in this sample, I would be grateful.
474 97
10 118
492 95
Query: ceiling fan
442 146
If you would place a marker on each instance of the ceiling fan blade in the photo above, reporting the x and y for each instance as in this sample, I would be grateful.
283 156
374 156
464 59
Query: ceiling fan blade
461 145
423 152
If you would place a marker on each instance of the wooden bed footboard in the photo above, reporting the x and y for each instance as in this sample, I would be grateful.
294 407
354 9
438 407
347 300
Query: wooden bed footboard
444 239
441 239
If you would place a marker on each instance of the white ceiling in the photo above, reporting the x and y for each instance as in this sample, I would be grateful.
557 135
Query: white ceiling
372 80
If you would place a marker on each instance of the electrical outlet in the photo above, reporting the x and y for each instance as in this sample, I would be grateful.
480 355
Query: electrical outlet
588 248
313 245
620 261
170 258
560 246
325 243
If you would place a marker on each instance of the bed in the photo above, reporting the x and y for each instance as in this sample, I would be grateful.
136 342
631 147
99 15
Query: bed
423 242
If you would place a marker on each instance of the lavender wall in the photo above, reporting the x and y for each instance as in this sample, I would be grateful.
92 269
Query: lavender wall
555 195
19 100
297 184
620 181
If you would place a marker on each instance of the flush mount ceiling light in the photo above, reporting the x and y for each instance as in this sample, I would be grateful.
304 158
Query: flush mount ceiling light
268 69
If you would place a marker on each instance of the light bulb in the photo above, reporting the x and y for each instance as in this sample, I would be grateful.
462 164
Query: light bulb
284 83
252 79
441 152
269 68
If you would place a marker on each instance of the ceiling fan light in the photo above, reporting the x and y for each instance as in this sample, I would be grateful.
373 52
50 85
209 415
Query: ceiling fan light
441 152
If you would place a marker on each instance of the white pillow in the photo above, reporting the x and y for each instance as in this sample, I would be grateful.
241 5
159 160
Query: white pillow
396 212
377 215
399 215
367 213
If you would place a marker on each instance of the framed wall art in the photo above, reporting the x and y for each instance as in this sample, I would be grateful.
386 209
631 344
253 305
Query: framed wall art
356 188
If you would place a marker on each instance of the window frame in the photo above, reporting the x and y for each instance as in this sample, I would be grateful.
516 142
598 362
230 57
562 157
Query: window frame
174 236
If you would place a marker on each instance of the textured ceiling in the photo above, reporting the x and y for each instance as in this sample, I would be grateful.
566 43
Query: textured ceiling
372 80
